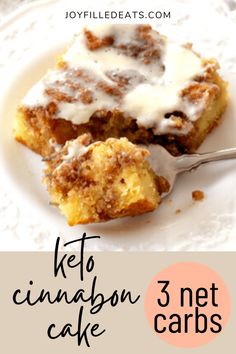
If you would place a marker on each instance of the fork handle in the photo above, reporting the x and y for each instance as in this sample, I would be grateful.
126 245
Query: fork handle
191 162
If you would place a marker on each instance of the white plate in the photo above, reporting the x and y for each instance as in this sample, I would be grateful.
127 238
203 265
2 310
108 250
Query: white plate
206 225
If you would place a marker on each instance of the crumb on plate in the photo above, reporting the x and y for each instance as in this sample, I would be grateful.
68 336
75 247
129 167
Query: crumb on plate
198 195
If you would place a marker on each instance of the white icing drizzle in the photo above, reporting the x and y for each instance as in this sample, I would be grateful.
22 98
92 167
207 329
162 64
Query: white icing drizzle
152 93
75 148
36 96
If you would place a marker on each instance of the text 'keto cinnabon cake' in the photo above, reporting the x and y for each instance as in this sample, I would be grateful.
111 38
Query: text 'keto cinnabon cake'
124 81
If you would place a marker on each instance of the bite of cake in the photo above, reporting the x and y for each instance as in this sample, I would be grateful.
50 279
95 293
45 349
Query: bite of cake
95 182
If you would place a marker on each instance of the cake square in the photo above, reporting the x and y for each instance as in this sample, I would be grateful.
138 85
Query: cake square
124 81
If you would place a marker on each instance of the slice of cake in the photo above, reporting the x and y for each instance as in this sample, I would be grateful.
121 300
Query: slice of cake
124 81
102 181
